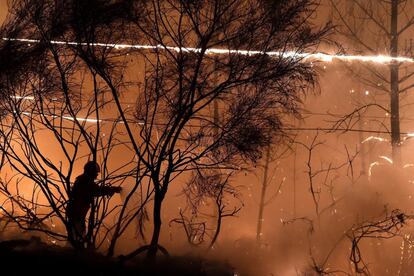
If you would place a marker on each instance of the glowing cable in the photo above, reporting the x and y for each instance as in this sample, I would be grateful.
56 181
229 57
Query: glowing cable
381 59
29 98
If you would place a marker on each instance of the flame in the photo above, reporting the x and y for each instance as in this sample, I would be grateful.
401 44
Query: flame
381 59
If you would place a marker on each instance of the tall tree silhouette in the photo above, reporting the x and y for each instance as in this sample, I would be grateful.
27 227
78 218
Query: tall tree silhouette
172 131
372 27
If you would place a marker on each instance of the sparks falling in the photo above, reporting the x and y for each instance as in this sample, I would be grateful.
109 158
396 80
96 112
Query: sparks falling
380 59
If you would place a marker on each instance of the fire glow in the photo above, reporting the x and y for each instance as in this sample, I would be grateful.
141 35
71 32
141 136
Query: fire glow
380 59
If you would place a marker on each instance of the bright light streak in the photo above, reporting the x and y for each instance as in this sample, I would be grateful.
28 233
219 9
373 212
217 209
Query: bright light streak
376 138
81 119
69 118
89 120
408 136
376 163
386 158
29 98
381 59
408 166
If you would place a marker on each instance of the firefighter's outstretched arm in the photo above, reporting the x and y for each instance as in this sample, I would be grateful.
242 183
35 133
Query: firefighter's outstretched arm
105 190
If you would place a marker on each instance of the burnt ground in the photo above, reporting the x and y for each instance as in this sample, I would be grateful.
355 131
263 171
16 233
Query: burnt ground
28 257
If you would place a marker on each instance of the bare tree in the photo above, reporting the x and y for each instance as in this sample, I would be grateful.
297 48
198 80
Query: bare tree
214 186
171 132
386 228
250 91
50 94
45 140
371 27
321 177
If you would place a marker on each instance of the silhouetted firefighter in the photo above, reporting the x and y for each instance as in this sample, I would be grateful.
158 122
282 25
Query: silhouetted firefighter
81 198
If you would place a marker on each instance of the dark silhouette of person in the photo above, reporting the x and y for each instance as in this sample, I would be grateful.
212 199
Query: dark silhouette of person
81 198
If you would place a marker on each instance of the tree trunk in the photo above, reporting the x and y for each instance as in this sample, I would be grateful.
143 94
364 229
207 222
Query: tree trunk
218 227
153 248
263 197
361 137
394 67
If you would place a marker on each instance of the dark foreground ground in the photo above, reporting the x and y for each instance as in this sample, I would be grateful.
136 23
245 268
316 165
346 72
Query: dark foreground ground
23 257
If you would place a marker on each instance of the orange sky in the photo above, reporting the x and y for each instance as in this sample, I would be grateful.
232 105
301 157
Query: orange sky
3 9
